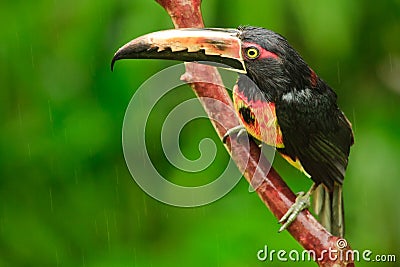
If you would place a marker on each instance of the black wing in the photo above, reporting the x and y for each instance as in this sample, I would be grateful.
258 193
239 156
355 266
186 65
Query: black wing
316 133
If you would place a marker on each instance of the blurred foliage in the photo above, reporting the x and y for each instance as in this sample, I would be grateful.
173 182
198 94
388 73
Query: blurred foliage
66 196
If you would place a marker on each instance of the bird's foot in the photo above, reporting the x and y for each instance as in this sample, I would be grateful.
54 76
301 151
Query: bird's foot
302 202
238 130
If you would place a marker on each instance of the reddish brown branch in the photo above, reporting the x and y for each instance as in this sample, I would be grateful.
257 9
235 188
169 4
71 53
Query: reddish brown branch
273 191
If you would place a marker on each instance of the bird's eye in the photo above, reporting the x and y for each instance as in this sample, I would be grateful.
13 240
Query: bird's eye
252 53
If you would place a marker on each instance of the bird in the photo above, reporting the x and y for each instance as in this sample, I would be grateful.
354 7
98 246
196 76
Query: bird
280 101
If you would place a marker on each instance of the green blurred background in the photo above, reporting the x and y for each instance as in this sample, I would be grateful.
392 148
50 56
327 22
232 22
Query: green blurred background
66 195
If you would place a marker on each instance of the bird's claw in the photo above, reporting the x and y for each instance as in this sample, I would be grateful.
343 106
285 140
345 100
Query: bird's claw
238 130
302 202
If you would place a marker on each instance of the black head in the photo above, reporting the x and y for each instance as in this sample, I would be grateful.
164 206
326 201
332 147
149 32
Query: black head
271 62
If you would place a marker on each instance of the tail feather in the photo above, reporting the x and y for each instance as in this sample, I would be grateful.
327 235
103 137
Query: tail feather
328 205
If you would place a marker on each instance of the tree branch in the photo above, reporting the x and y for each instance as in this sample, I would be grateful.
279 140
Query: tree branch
273 191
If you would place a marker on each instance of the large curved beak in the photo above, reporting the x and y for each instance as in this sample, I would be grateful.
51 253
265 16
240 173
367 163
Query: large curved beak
221 46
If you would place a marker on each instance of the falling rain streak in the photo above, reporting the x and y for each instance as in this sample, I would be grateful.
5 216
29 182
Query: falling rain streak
32 61
29 152
108 231
50 112
51 199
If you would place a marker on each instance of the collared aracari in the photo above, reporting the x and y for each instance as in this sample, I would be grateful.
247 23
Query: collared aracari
306 126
